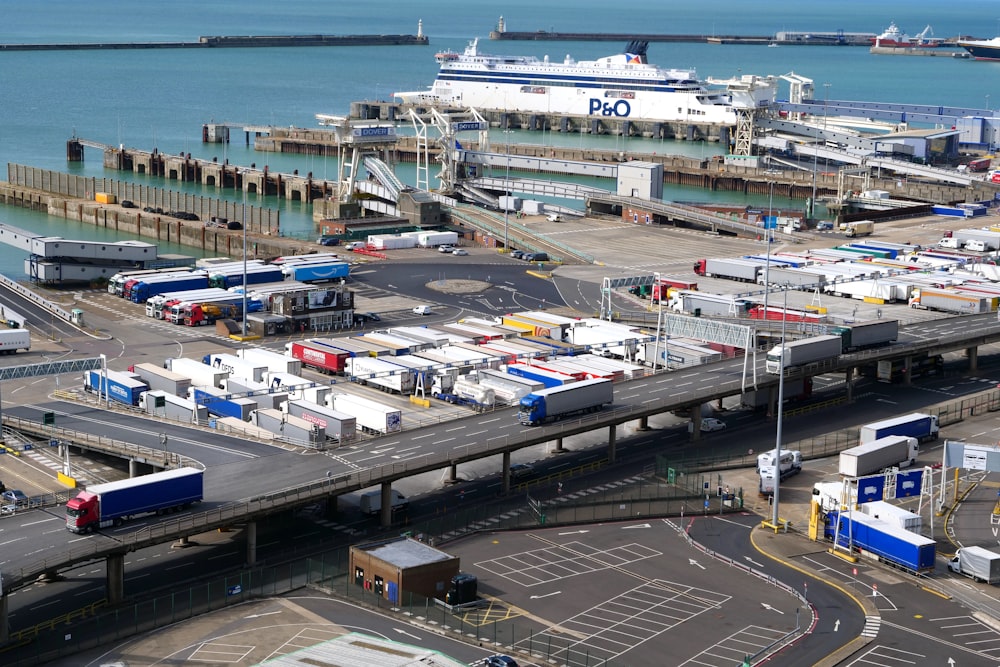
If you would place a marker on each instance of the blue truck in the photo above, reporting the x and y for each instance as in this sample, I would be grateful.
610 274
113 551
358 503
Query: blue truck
122 387
111 504
222 404
884 540
554 403
144 289
318 272
256 275
917 425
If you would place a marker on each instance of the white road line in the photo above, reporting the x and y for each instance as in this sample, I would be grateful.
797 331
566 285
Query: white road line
440 442
457 428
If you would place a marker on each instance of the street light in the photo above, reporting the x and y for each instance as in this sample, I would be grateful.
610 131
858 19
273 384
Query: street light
506 184
244 260
776 467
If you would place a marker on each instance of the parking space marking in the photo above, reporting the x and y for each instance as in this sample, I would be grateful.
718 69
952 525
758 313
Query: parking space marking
887 655
563 561
618 625
214 652
974 634
734 648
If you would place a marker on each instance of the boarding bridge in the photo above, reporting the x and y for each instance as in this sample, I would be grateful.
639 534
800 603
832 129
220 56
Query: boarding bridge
536 187
384 175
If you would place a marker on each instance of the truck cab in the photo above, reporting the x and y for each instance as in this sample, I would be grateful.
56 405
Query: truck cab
82 513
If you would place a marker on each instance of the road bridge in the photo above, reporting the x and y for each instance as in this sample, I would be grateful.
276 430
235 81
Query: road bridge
250 480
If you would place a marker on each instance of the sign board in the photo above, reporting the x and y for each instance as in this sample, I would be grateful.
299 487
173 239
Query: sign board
974 457
870 488
468 126
909 483
235 590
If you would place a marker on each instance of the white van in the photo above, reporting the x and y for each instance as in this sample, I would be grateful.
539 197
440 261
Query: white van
421 310
948 242
975 246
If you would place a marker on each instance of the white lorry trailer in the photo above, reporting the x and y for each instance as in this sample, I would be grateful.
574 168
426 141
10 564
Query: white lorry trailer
371 416
893 450
801 352
371 502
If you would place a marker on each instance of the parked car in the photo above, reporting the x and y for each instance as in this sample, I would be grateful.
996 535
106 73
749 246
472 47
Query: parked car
824 226
499 660
354 245
15 496
459 251
535 257
516 254
128 203
328 240
361 318
446 248
422 310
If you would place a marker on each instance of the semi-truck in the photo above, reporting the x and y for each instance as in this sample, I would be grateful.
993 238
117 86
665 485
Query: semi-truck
880 539
232 276
372 417
318 272
507 388
163 379
170 406
201 314
977 563
201 374
122 387
371 502
705 304
233 365
952 301
12 340
768 472
339 426
989 237
732 268
798 389
801 352
861 335
276 362
917 425
143 289
322 358
892 450
224 404
381 374
557 402
294 429
463 391
103 505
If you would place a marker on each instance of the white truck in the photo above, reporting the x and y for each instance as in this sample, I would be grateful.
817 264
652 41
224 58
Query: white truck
12 340
766 459
338 425
371 502
835 496
202 375
381 374
163 379
276 362
801 352
977 563
169 406
372 417
251 370
790 463
893 450
902 517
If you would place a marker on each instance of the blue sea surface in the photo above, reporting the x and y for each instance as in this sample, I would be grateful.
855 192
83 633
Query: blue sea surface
161 98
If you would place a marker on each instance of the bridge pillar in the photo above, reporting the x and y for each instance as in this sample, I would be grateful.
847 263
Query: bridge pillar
772 400
695 425
907 366
133 468
386 511
505 482
973 354
643 424
453 473
558 448
4 631
612 445
115 583
251 533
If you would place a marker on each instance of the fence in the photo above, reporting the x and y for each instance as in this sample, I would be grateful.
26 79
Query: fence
257 219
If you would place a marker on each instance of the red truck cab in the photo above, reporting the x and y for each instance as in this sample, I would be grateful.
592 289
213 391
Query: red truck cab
83 512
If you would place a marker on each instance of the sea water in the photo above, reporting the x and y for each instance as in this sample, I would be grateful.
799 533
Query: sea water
160 98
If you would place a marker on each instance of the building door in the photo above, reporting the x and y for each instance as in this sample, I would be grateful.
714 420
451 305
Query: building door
359 576
379 587
392 595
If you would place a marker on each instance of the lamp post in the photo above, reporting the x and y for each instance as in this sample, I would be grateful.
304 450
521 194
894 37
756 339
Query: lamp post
768 235
506 184
776 467
244 260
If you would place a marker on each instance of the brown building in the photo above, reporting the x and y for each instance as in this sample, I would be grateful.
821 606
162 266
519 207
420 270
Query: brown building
401 565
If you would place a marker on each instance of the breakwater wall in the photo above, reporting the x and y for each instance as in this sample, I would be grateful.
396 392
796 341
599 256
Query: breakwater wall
235 41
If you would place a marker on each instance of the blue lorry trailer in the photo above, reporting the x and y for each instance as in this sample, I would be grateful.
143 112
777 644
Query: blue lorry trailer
882 539
557 402
122 387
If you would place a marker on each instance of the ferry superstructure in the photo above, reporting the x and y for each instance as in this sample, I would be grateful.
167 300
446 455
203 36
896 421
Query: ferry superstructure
622 86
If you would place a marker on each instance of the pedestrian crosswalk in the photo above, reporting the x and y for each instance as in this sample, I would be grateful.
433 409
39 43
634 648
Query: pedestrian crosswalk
872 625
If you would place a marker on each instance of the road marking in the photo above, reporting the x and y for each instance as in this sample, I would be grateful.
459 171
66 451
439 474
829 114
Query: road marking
488 421
692 561
266 613
457 428
575 532
441 442
404 632
638 525
418 437
770 608
539 597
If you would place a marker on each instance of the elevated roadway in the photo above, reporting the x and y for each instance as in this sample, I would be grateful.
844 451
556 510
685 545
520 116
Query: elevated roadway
247 480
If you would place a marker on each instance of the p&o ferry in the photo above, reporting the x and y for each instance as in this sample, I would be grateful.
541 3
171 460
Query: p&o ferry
622 86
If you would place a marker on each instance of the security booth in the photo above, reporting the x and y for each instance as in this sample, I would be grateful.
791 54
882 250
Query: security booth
390 568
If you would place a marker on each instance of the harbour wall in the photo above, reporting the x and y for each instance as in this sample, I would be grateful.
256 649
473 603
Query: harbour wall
236 41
